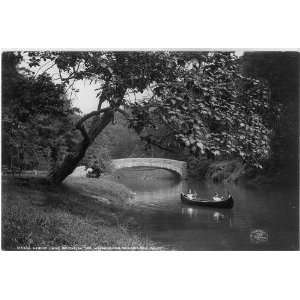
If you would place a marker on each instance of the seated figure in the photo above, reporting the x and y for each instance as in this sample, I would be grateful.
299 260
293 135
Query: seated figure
190 195
217 197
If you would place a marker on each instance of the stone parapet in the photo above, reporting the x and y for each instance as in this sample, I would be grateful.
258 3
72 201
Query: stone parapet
180 167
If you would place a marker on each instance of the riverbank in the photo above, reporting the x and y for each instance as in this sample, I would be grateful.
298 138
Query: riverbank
81 214
234 171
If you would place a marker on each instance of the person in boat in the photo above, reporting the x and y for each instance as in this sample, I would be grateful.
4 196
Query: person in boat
217 197
190 195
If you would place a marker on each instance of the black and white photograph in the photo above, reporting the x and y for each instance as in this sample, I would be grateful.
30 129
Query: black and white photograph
150 149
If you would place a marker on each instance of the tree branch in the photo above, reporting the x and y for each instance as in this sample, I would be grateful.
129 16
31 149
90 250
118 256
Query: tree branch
91 114
49 68
83 132
123 112
102 96
41 67
157 144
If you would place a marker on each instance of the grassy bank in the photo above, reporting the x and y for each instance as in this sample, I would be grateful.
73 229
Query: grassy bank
82 213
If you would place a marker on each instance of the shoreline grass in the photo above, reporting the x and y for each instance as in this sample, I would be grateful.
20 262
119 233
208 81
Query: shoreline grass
81 214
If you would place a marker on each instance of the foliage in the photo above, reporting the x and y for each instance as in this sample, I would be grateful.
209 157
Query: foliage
117 140
35 114
212 109
198 101
225 171
100 162
281 71
197 168
118 70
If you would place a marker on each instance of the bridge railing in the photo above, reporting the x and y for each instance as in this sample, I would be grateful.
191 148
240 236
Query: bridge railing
174 165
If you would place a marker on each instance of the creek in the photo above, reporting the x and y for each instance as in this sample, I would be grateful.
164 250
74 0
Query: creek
263 217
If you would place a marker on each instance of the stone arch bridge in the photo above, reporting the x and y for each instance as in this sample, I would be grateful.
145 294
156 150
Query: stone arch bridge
179 167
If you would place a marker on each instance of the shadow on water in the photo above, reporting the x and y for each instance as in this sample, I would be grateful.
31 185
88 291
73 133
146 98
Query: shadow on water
263 218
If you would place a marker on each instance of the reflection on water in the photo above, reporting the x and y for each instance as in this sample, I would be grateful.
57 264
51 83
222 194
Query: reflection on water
209 214
189 211
218 216
167 193
261 219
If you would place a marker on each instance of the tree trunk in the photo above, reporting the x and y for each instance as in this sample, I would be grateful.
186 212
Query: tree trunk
60 172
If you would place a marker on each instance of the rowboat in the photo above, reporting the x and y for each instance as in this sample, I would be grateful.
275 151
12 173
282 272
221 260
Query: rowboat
223 203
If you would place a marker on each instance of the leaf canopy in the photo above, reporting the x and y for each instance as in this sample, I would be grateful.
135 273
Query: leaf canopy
199 101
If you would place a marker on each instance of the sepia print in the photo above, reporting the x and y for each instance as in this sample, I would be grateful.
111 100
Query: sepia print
150 150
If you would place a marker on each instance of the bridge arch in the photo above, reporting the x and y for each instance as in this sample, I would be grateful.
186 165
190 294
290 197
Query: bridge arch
180 167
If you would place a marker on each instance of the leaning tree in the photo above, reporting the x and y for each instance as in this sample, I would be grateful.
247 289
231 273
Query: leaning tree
197 101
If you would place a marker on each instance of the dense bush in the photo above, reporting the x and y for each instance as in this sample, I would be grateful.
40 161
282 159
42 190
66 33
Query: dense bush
225 171
36 115
99 162
197 167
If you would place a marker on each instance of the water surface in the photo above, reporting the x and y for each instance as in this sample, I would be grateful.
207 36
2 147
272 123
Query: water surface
263 218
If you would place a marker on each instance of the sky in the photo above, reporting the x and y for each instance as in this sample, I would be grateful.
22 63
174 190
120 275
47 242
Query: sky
85 99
